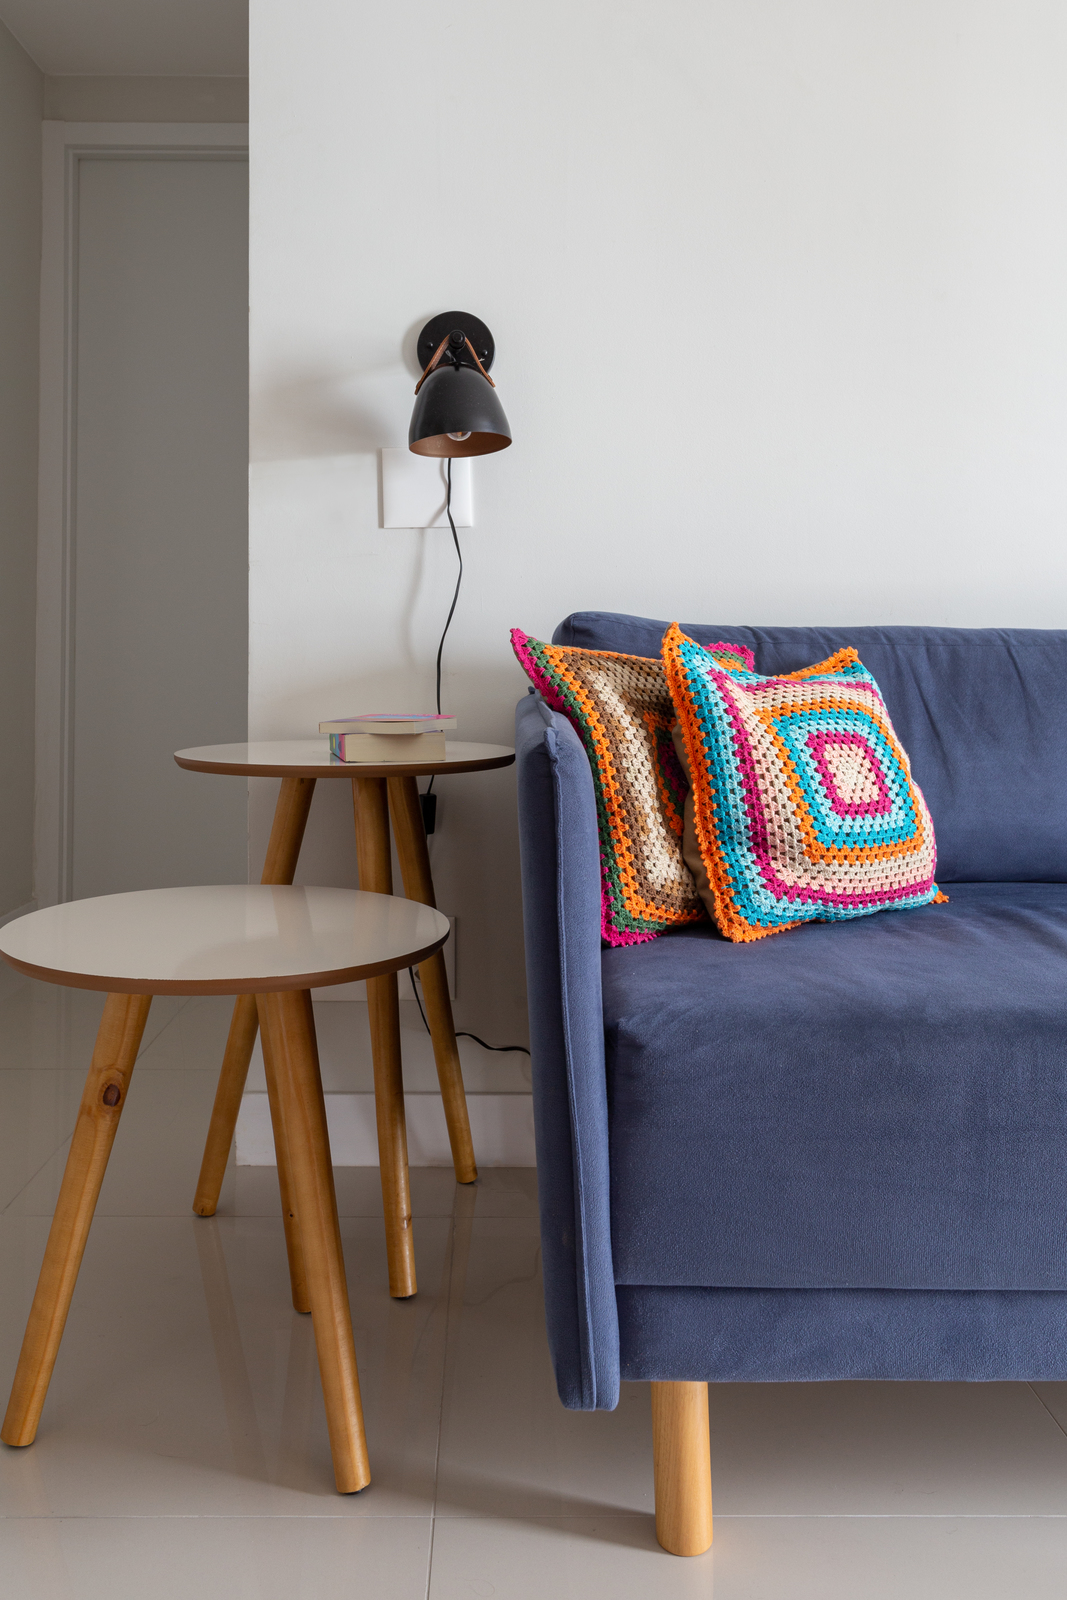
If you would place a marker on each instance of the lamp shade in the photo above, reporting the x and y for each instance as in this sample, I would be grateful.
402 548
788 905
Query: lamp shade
457 400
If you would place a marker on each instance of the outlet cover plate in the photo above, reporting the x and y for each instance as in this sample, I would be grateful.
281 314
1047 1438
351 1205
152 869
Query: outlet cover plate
414 489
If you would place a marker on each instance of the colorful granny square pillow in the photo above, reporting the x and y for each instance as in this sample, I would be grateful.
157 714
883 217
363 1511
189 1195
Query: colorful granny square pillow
803 803
622 712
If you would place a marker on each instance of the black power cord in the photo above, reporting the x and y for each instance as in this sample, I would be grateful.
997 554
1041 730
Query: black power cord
459 580
428 800
506 1048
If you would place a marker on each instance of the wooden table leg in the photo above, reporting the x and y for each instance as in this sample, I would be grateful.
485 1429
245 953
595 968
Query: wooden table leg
286 837
418 885
681 1453
293 1247
375 874
289 1022
117 1043
244 1024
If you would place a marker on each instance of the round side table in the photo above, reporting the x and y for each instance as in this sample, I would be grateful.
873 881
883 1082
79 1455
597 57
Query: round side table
272 945
377 791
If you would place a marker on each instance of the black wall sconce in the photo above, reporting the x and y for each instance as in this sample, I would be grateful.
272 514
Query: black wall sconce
457 413
457 409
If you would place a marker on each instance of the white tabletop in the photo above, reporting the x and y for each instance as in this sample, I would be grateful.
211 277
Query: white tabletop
224 939
311 758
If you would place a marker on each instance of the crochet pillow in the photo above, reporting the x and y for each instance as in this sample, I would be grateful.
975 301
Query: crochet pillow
803 805
621 710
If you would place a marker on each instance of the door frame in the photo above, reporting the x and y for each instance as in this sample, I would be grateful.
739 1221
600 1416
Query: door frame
65 146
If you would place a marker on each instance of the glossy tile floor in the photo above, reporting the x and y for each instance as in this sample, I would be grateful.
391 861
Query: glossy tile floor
183 1448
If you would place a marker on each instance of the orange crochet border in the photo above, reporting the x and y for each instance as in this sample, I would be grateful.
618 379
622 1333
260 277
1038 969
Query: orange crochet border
637 905
728 920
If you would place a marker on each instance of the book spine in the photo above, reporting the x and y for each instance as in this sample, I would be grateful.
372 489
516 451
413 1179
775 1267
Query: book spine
381 749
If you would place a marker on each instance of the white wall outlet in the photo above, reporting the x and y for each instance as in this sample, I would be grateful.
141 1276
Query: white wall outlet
414 489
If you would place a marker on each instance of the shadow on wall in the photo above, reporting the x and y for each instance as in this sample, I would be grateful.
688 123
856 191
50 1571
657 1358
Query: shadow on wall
336 410
320 413
483 694
474 853
409 343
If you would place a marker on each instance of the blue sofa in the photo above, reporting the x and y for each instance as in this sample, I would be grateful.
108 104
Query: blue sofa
840 1152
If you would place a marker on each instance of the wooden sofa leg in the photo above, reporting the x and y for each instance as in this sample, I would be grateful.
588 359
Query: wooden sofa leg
681 1453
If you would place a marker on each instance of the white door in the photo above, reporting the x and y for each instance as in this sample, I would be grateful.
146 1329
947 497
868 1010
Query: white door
159 568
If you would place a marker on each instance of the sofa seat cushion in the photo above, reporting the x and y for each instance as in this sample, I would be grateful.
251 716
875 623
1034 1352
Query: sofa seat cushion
873 1104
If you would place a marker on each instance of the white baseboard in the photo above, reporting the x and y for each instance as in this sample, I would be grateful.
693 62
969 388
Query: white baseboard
501 1127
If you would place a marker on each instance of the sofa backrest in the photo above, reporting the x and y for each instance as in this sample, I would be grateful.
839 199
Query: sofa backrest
982 712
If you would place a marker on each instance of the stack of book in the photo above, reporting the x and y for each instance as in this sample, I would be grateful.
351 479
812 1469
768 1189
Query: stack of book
381 736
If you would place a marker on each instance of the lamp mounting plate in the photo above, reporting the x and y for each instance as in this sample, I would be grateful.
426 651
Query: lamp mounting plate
439 328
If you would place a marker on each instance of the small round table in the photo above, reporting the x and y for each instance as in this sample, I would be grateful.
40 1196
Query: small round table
377 791
271 944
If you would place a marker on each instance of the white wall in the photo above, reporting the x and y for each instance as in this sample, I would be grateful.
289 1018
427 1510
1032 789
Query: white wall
20 265
779 298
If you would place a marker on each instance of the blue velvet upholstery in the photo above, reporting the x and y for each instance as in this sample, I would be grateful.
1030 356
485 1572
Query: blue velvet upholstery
814 1335
875 1104
560 854
753 1165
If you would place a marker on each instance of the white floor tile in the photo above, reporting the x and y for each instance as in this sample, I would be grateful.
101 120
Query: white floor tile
186 1384
574 1558
46 1044
193 1038
156 1156
508 1448
39 1110
1053 1397
215 1558
945 1449
158 1148
774 1558
253 1191
499 1191
43 1025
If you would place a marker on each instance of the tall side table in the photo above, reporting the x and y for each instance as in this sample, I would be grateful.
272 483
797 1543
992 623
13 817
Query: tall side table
377 791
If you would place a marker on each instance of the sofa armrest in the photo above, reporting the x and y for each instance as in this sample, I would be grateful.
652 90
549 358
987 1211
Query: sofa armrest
561 915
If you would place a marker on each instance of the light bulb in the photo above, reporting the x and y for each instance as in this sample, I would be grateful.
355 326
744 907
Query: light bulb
460 436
